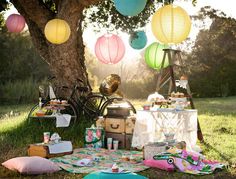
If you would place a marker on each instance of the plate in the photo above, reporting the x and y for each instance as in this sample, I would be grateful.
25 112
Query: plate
121 171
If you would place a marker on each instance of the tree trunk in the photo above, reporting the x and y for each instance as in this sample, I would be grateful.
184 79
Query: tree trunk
66 60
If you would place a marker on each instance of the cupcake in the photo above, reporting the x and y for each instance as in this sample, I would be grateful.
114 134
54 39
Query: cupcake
124 158
64 102
132 159
114 168
181 95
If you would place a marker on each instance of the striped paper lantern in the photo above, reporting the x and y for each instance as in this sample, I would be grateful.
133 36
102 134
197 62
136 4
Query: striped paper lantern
109 49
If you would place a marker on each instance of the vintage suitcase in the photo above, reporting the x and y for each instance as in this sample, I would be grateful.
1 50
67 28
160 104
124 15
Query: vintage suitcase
119 137
117 111
129 125
115 125
43 151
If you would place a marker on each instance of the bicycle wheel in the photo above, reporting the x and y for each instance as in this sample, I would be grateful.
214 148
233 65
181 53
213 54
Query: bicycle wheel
93 105
71 110
116 100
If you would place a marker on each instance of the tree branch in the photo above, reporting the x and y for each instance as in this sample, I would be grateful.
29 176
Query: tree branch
35 11
87 3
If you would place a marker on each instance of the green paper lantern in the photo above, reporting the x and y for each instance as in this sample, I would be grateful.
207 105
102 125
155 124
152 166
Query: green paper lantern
154 55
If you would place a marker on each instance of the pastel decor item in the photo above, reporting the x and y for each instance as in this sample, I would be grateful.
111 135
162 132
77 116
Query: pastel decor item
57 31
138 40
15 23
94 137
130 7
171 24
109 49
31 165
154 55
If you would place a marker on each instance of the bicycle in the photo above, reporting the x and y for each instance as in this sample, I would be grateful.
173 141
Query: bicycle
79 102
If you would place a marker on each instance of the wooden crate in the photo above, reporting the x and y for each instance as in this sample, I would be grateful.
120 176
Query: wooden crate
43 151
119 137
128 141
125 140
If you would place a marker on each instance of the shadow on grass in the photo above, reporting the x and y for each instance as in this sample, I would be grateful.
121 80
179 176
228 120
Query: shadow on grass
14 143
224 157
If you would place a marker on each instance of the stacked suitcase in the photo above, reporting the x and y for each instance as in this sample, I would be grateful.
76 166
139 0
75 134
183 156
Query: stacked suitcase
118 125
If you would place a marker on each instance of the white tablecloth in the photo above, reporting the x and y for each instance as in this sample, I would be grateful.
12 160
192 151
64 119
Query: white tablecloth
151 125
61 147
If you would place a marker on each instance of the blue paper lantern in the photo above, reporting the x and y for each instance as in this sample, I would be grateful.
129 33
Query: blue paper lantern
138 40
130 7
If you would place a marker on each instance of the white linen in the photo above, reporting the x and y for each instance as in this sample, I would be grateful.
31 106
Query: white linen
84 162
154 96
51 93
151 125
62 120
63 146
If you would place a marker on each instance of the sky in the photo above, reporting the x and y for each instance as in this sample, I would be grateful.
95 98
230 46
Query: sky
227 6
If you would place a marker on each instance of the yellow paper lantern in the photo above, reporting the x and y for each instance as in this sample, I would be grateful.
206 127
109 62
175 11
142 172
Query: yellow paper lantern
57 31
171 24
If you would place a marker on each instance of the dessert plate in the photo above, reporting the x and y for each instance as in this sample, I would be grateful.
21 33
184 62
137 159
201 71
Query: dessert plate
120 171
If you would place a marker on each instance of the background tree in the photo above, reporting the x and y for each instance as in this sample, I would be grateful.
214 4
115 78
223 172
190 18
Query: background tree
212 61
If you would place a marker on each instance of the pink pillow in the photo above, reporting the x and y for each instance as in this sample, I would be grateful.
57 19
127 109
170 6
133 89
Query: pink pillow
31 165
161 164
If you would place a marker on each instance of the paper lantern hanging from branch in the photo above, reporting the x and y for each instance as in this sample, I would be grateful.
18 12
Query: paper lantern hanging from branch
15 23
138 40
154 55
109 49
57 31
130 7
171 24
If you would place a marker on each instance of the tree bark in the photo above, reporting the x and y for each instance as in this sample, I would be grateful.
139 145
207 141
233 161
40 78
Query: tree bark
66 61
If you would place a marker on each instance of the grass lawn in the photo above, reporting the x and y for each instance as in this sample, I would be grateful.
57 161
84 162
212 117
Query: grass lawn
217 119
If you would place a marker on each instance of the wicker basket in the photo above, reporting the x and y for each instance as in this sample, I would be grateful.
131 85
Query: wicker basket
152 149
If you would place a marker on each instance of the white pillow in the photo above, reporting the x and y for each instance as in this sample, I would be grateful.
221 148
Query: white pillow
31 165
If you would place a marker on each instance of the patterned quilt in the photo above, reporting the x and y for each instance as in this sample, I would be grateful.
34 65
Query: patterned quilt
102 159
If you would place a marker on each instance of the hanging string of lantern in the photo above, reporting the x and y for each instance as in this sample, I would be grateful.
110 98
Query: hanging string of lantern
130 7
171 24
109 49
57 31
154 55
138 40
15 23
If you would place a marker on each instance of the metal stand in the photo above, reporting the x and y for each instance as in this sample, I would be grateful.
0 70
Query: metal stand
167 75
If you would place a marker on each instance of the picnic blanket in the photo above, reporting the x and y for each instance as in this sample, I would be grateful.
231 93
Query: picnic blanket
189 162
102 160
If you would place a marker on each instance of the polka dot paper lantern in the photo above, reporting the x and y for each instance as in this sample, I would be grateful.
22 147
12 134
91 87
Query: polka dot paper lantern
15 23
109 49
171 24
130 7
154 55
57 31
138 40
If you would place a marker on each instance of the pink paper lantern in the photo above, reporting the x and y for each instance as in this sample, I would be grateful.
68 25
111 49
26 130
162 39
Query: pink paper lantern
15 23
109 49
